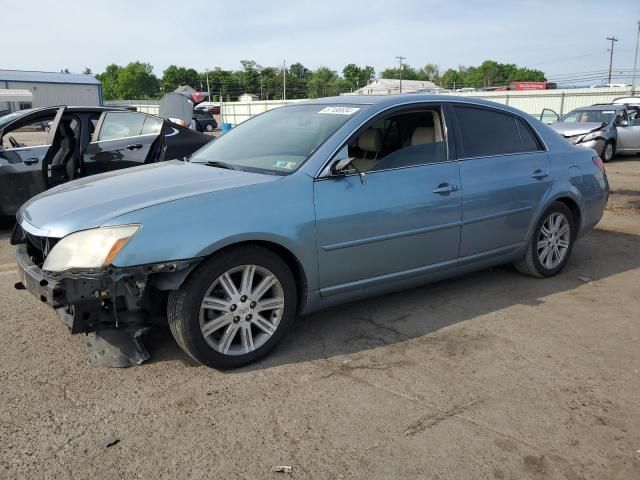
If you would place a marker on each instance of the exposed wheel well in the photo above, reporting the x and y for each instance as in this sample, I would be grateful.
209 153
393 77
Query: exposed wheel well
289 258
575 210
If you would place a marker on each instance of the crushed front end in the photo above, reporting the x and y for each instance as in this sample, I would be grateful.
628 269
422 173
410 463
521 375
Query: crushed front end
113 306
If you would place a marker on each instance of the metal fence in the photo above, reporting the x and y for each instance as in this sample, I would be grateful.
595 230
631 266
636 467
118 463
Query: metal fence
530 101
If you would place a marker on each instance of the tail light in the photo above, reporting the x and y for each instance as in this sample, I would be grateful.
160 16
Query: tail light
599 163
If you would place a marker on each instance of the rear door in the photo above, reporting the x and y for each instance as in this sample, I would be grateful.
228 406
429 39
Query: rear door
505 176
25 144
123 140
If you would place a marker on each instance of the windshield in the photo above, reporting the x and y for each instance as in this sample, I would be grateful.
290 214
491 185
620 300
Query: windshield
278 141
583 116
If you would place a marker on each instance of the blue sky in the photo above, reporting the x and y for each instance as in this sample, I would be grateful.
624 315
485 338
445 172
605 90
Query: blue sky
559 37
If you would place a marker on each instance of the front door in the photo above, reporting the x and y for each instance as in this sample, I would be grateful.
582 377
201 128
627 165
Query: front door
396 213
629 133
24 144
505 175
122 140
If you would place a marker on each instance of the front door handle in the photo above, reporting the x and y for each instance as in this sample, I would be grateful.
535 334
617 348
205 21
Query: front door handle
134 146
445 188
30 161
539 174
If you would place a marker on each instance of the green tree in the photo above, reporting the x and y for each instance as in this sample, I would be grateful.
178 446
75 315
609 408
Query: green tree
174 76
451 79
137 80
109 80
431 72
357 76
408 73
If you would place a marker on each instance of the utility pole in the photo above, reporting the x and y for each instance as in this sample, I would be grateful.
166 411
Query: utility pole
635 61
208 89
400 59
612 39
284 80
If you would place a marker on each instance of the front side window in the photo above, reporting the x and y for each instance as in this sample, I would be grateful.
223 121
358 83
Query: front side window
32 134
278 141
399 140
487 132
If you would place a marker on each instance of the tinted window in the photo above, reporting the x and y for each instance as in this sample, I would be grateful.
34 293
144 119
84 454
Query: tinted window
397 141
152 125
32 134
529 141
120 125
486 132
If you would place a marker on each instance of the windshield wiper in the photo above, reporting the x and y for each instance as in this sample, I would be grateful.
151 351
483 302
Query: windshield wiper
221 165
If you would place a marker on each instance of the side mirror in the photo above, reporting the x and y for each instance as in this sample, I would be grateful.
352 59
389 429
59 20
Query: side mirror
339 167
622 123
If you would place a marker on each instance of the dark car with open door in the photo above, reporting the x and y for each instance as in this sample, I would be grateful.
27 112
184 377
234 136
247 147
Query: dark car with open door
44 147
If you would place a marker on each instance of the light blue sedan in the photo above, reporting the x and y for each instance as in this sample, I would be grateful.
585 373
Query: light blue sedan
304 207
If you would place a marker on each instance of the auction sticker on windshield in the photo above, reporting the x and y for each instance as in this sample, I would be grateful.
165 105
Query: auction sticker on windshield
339 110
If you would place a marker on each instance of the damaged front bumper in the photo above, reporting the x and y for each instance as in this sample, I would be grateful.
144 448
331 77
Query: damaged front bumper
112 298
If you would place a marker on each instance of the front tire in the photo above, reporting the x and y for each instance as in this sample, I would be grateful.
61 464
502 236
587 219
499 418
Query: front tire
608 152
209 127
233 308
551 244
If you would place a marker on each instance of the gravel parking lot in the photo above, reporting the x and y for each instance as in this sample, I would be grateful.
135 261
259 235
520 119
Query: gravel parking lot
492 375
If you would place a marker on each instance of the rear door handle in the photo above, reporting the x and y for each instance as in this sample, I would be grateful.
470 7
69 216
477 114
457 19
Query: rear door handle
445 188
134 146
30 161
539 174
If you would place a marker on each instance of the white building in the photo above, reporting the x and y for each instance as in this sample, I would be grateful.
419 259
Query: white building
390 86
248 97
47 89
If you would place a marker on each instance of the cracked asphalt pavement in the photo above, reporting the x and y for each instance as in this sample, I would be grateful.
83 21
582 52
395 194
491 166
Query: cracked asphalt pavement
492 375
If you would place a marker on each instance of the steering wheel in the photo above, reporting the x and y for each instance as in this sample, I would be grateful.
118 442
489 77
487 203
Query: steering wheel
14 143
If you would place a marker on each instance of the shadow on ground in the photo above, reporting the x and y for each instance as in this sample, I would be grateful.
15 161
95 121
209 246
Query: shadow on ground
402 316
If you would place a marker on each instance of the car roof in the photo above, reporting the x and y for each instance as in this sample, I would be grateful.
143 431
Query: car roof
72 108
602 106
385 101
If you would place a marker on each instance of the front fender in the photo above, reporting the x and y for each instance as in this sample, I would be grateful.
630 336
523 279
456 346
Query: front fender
277 212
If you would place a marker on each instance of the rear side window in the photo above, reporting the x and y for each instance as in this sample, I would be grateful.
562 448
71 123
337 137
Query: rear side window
121 125
529 141
151 125
487 132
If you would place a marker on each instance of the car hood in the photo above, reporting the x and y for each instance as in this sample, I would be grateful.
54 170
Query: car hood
90 202
568 129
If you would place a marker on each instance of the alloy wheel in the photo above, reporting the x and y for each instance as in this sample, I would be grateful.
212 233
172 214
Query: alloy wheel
553 240
241 310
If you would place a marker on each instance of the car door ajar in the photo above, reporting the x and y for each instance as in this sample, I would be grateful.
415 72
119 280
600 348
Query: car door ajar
122 140
400 221
628 131
505 176
25 144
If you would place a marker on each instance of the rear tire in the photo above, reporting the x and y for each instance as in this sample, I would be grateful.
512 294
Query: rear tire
609 151
209 127
234 308
551 243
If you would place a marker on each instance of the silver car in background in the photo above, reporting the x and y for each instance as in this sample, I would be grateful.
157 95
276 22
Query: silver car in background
608 129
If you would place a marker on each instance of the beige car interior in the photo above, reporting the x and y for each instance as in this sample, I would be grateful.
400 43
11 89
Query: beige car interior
371 146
